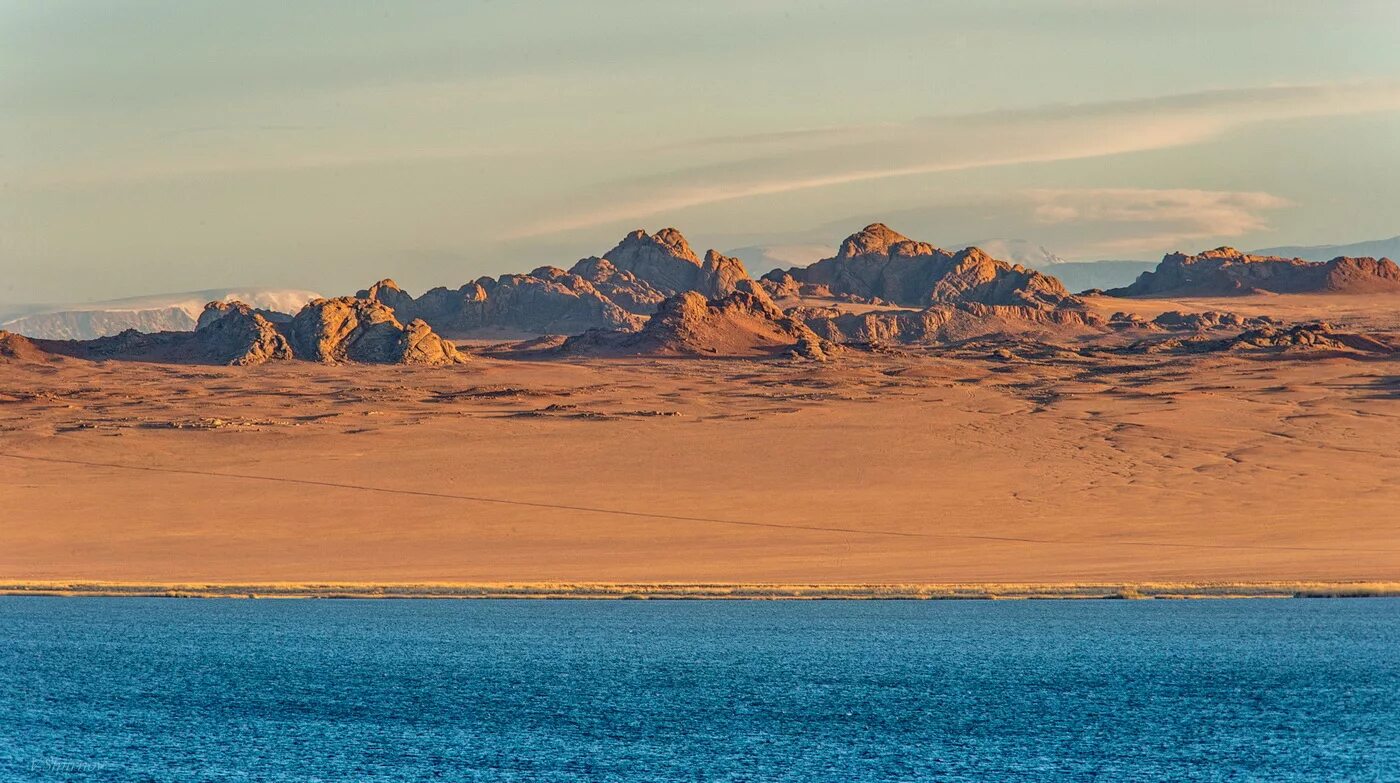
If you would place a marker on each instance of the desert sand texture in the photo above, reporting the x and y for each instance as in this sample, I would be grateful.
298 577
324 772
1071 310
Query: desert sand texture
1034 464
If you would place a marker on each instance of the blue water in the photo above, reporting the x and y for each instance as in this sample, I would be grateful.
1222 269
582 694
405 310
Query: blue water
651 691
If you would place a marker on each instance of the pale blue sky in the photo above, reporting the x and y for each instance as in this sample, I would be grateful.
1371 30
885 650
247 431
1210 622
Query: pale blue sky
148 146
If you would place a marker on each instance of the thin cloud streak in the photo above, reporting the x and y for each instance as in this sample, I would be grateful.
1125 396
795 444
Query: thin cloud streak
765 165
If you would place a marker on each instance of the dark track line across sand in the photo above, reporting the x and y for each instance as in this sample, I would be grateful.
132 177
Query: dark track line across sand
670 517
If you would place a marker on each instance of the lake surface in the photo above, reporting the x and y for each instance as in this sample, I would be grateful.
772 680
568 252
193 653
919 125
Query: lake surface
132 689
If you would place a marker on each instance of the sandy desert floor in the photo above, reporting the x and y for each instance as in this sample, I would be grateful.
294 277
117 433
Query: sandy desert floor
935 466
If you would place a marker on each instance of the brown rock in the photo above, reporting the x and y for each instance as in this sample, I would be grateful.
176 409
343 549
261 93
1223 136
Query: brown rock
744 323
20 349
1226 271
364 330
234 333
1317 336
944 323
879 264
666 263
625 289
213 311
388 293
1209 319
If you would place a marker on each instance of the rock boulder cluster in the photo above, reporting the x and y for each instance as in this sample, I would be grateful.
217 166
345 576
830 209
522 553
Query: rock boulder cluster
347 329
234 333
365 330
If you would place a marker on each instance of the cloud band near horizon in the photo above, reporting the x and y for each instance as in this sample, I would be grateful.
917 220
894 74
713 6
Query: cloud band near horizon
773 164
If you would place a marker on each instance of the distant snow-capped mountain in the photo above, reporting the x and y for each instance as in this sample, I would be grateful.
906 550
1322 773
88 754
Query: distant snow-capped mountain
155 313
1017 251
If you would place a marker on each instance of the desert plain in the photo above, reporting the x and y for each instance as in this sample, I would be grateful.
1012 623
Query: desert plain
1035 463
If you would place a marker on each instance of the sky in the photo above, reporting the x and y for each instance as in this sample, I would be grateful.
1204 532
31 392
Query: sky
324 144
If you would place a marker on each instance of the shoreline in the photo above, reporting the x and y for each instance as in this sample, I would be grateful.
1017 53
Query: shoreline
706 591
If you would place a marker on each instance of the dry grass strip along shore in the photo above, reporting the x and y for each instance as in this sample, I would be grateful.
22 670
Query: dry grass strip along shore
682 591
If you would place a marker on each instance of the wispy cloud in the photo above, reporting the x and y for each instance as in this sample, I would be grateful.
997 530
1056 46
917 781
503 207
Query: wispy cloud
1075 223
771 164
1152 219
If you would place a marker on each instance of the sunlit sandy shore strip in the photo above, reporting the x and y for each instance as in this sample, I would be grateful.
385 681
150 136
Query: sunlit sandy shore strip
697 591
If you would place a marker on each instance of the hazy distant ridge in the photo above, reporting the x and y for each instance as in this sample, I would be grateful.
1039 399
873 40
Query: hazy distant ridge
176 312
1376 248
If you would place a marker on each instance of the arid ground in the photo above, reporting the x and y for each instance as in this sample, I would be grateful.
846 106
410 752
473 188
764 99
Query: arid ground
934 465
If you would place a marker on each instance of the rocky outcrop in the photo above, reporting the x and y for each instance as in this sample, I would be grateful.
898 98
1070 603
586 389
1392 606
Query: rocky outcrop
546 301
20 349
419 344
743 323
625 289
614 292
1208 320
943 323
879 264
234 333
1360 275
365 330
213 311
666 263
1178 321
1226 271
388 293
1310 337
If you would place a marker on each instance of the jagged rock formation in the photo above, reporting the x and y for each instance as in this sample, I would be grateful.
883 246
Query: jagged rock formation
546 301
879 264
388 293
419 344
743 323
234 333
1226 271
213 311
613 292
625 289
942 323
365 330
665 263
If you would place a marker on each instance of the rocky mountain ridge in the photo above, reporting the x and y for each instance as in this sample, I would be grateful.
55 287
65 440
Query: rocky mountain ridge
880 265
651 294
1226 271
